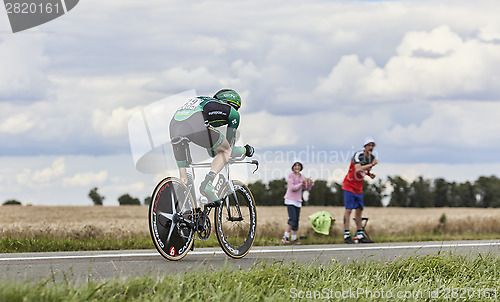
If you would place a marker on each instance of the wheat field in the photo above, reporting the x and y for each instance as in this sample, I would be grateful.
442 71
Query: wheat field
132 221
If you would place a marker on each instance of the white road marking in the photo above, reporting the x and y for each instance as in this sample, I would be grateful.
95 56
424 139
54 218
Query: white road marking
258 251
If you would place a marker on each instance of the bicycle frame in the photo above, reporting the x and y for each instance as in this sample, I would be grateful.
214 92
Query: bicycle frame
227 181
191 176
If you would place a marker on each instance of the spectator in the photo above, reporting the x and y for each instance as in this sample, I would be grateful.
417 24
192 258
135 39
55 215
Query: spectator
360 166
296 183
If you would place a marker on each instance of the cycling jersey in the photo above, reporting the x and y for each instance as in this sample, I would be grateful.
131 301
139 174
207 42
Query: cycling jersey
216 113
198 119
353 182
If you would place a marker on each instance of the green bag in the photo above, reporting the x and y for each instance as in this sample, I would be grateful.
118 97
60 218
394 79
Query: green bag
321 222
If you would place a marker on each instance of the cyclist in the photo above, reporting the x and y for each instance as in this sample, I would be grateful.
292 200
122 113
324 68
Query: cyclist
198 120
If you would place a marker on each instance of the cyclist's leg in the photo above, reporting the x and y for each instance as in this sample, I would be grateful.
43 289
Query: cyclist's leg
180 129
183 174
223 153
213 140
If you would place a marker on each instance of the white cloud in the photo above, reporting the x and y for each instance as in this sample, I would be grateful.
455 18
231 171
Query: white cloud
453 124
17 124
264 130
112 123
44 176
86 179
23 61
181 79
434 64
211 45
490 32
242 74
414 74
135 189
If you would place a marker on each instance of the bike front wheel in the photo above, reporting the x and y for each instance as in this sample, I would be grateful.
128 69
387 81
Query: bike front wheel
171 218
236 221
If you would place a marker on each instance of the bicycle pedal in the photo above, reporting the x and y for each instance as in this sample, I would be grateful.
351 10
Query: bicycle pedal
212 204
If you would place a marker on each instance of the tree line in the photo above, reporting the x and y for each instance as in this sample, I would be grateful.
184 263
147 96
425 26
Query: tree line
421 193
321 194
123 200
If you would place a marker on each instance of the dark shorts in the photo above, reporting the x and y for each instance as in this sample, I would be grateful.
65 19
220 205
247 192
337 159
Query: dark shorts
293 217
197 131
353 201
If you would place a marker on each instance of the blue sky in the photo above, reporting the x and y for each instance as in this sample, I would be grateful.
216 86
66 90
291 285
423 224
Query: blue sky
421 77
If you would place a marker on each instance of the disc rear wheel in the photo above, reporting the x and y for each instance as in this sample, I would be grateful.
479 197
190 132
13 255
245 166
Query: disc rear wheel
171 218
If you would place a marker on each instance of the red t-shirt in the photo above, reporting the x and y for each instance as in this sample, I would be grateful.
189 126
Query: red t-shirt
353 181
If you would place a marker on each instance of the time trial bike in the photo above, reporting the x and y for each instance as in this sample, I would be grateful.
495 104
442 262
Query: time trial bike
177 218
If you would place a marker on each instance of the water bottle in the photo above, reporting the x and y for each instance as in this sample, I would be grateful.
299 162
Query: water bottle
356 240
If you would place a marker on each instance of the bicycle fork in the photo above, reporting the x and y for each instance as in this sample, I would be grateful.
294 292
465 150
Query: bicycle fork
226 188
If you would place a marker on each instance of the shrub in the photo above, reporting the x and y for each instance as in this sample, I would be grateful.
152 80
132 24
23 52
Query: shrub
12 202
128 200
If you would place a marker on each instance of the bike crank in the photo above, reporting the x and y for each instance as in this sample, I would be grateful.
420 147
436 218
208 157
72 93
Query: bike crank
203 225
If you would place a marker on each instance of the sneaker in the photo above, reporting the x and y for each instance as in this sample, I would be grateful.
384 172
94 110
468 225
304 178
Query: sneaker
348 240
365 240
207 190
285 240
296 242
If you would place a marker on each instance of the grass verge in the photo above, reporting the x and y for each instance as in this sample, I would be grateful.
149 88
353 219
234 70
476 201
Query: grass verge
48 244
438 277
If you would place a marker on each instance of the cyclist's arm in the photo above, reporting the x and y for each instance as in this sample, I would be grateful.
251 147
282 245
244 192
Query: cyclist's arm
232 126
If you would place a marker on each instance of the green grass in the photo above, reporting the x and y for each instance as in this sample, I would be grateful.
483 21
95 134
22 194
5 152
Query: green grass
438 277
47 244
338 239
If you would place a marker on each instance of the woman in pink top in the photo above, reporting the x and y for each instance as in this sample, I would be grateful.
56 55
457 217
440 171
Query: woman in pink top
293 201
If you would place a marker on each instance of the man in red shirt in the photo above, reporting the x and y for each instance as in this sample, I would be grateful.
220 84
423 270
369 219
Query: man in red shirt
360 166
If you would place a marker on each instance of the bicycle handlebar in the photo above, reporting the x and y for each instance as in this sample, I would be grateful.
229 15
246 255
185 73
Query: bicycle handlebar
253 162
232 161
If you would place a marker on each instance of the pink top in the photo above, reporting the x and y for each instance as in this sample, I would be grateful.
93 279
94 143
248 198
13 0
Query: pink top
295 187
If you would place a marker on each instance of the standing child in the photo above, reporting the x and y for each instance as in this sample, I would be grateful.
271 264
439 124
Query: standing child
293 201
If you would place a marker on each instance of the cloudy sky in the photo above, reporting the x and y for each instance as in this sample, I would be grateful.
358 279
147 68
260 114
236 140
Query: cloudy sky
421 77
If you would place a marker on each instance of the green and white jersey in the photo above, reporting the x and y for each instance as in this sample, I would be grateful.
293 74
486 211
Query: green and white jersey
215 113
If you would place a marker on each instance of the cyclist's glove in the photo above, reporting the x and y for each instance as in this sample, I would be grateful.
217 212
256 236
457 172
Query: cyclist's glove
237 151
249 150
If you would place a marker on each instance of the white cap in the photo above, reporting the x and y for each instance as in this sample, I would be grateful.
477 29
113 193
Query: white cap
368 140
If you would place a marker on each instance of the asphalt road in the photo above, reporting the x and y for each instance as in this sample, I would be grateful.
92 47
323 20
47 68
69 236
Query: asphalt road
105 265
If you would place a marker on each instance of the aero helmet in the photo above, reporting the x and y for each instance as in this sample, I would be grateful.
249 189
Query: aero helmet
229 96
